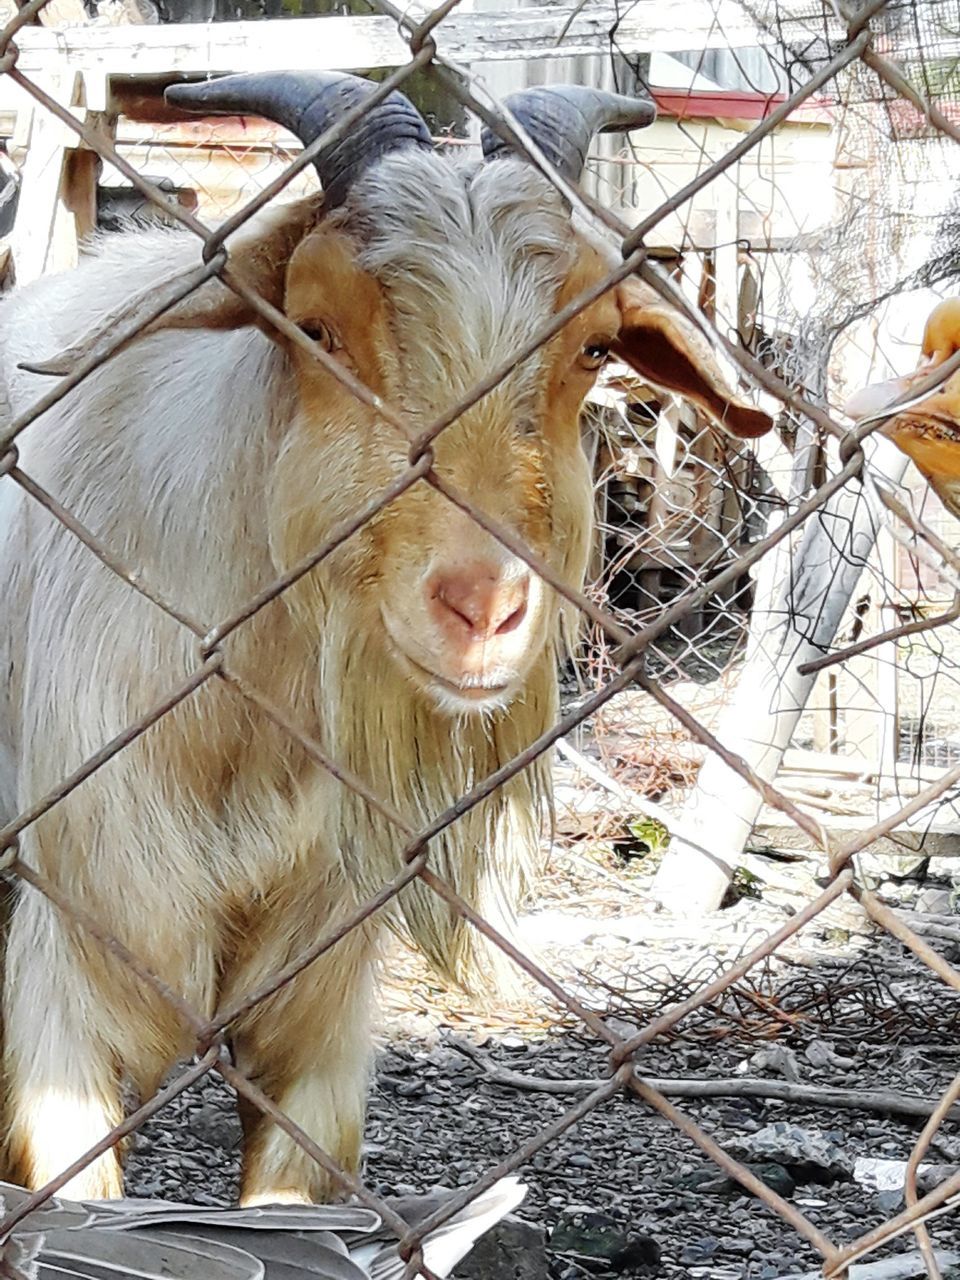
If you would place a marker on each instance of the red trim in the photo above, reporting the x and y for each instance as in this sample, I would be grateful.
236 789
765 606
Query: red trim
909 121
734 104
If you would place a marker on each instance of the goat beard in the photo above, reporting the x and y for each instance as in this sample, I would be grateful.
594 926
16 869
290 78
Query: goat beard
412 754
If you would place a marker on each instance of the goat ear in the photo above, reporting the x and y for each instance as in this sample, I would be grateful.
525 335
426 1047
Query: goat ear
669 352
258 256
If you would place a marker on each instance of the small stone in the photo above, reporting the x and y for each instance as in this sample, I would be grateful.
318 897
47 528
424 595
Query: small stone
211 1199
934 901
778 1060
217 1126
580 1161
567 1271
772 1175
388 1082
929 1177
411 1089
391 1064
889 1202
597 1238
808 1155
737 1244
513 1250
699 1250
621 1027
712 1181
150 1188
709 1180
821 1054
947 1145
741 1122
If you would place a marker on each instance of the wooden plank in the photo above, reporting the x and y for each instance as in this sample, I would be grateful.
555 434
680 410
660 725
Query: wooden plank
707 534
726 194
823 705
94 89
58 189
17 107
16 122
81 175
141 123
796 760
80 191
356 43
36 225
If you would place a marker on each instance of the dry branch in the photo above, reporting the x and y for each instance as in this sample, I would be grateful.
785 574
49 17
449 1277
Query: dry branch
882 1101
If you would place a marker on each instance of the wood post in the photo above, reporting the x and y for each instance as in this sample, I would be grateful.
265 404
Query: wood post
57 206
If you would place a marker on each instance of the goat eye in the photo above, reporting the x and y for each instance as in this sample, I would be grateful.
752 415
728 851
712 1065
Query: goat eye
594 354
321 333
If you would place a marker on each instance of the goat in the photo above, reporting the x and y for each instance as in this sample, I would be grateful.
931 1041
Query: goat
927 427
421 653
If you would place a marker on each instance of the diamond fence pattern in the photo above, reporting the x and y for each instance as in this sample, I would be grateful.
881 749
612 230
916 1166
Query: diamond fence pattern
632 645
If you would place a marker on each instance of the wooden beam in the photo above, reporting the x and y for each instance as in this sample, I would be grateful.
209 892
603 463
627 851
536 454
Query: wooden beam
82 168
141 98
81 175
37 224
338 43
57 206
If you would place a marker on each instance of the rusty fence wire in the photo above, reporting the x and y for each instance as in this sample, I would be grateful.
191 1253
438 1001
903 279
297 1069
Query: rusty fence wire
666 578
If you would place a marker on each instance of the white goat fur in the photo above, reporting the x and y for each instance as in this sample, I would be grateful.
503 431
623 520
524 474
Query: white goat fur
212 846
212 459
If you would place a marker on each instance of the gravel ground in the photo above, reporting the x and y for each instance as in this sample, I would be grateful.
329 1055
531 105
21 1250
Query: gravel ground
435 1118
624 1182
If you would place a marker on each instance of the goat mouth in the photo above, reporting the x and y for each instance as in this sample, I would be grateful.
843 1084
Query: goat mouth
473 688
470 688
933 427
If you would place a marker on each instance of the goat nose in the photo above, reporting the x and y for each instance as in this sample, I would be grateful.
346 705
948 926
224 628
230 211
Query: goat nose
478 601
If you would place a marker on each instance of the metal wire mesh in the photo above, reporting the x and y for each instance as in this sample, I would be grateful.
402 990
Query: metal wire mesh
683 517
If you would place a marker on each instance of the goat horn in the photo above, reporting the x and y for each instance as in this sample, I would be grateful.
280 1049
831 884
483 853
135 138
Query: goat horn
308 103
562 119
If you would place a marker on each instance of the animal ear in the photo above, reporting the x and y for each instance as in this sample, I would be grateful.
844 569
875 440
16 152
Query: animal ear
941 333
941 340
668 351
258 256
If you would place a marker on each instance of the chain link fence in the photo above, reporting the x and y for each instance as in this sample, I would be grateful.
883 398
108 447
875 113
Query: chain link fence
689 523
